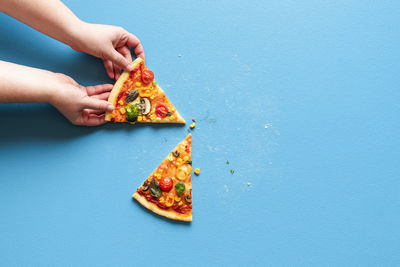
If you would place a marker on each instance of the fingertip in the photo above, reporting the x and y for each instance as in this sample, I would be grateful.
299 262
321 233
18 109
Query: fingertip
110 108
129 67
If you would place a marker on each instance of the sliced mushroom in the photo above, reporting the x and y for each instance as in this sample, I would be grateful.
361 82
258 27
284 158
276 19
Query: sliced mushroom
144 106
188 196
145 186
147 106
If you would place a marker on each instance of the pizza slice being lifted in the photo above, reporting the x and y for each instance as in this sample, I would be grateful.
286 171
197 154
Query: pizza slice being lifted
138 99
168 190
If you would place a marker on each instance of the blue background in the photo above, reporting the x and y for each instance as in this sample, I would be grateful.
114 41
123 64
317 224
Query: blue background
302 98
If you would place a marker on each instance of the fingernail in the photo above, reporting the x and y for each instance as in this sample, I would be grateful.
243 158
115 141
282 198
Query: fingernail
110 107
129 67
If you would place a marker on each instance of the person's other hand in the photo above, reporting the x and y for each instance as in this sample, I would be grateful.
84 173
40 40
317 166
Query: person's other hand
111 44
81 105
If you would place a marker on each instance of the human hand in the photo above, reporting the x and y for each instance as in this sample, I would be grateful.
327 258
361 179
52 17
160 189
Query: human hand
111 44
81 105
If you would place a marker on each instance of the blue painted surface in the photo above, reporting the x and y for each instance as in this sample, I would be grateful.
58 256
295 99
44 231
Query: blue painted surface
300 96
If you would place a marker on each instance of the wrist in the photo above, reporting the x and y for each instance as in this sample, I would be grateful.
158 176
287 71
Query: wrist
78 35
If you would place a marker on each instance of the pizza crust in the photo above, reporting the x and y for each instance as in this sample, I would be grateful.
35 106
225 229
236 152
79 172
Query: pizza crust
166 213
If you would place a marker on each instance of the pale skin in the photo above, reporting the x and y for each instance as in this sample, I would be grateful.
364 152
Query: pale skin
80 105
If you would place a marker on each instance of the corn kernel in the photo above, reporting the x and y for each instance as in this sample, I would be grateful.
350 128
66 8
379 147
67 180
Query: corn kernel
122 110
197 171
177 199
152 97
192 125
158 119
180 203
121 102
161 199
185 158
173 108
139 118
171 118
179 160
138 84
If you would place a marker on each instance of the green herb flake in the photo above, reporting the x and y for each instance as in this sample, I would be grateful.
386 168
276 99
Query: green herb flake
232 171
227 162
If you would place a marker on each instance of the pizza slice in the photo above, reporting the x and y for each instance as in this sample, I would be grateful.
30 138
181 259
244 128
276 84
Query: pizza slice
168 190
137 98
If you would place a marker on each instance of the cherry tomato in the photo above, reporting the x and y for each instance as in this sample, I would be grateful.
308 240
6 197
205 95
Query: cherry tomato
147 76
166 184
161 111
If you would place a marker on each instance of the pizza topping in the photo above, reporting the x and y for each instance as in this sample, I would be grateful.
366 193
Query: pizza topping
197 171
169 201
183 171
166 184
175 153
145 186
132 113
131 96
161 111
180 188
144 106
192 125
155 189
188 196
189 161
144 92
147 76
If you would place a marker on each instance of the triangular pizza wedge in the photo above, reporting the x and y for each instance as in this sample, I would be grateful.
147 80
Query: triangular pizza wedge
168 190
137 98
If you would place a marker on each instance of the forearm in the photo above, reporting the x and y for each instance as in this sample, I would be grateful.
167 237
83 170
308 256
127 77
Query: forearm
50 17
24 84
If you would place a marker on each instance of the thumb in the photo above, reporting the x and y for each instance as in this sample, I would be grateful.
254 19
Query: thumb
97 104
118 59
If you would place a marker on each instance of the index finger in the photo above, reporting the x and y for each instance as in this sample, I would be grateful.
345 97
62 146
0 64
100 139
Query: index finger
135 43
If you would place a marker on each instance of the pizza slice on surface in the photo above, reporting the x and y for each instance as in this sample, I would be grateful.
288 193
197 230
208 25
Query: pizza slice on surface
138 99
168 190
